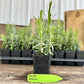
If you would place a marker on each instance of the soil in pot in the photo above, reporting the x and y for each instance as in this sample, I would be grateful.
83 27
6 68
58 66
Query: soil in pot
5 53
70 55
27 54
58 55
80 55
15 53
41 64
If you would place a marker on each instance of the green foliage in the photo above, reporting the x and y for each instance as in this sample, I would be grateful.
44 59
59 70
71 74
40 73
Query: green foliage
39 37
6 38
65 40
50 37
17 39
71 40
49 13
43 40
59 36
24 37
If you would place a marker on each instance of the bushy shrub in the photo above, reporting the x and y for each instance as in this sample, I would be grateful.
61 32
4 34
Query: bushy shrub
66 40
44 35
17 39
10 32
24 37
39 37
71 40
59 36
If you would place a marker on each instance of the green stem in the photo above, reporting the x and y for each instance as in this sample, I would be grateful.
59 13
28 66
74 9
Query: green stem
41 39
12 42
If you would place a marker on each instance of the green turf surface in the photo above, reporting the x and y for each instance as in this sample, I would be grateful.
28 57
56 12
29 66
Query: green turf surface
43 78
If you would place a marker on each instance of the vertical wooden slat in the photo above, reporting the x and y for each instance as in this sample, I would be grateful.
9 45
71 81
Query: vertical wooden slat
63 8
31 8
28 11
40 5
15 12
57 8
46 5
8 8
68 4
24 12
36 8
53 11
20 11
0 11
75 4
12 11
79 4
75 19
3 11
72 5
82 4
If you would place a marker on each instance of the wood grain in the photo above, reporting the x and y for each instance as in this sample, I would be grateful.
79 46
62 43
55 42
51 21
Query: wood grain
75 19
17 74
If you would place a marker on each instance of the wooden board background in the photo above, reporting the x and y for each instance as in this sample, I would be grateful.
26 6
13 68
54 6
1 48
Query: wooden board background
75 19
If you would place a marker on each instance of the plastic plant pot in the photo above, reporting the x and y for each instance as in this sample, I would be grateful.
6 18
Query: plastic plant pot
5 53
80 55
41 64
70 55
60 55
15 53
28 54
52 62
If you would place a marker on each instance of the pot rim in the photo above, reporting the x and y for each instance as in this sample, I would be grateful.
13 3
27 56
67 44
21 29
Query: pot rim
34 54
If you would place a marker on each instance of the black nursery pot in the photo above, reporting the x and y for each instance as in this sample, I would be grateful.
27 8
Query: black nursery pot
60 55
52 57
70 55
28 54
15 53
41 64
5 53
80 55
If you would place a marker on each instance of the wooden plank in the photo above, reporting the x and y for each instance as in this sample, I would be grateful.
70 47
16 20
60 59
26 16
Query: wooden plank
17 74
75 19
1 44
33 25
3 28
